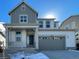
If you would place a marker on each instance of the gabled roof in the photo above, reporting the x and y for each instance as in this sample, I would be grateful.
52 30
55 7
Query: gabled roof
20 5
68 19
2 34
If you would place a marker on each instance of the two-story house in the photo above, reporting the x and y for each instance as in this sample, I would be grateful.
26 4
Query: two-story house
26 30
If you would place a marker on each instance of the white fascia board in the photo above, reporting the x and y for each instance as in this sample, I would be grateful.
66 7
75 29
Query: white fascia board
22 26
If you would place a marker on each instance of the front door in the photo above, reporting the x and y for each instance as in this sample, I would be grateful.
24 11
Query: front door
31 40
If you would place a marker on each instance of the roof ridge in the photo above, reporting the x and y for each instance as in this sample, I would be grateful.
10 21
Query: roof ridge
68 19
21 4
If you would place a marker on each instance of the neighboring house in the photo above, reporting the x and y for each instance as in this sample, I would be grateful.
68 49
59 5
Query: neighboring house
2 34
2 39
2 28
72 23
26 30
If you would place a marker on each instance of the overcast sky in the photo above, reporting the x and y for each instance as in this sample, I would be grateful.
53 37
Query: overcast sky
60 9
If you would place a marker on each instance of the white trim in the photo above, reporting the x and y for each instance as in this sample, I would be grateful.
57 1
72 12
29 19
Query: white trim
23 26
20 18
19 35
36 39
27 40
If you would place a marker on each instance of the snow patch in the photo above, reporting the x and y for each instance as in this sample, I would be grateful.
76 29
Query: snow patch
28 56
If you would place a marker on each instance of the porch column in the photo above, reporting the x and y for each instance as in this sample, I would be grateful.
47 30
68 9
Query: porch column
24 38
36 39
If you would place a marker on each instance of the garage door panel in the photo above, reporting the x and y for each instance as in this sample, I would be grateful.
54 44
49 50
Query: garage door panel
51 44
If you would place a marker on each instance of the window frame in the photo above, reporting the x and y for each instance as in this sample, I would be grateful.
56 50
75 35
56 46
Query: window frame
18 36
23 19
48 24
40 24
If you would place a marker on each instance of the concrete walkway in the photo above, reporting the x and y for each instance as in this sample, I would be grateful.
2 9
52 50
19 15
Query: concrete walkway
62 54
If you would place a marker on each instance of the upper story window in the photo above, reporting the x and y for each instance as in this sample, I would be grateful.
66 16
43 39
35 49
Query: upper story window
40 24
23 18
47 24
18 36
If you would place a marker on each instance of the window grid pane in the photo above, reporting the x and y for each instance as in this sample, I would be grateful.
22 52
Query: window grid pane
18 33
40 24
47 24
23 18
18 36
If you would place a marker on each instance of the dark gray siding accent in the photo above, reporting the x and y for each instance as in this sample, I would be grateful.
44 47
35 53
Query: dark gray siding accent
50 44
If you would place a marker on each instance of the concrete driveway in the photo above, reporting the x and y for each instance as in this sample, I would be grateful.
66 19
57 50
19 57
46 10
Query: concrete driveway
62 54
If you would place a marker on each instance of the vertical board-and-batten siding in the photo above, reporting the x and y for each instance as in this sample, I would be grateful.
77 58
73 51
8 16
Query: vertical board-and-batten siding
24 36
12 38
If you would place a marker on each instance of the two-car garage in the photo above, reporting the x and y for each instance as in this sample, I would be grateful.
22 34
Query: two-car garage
51 43
56 39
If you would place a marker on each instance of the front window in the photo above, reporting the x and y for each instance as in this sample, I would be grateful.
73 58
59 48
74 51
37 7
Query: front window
23 18
18 36
40 24
47 24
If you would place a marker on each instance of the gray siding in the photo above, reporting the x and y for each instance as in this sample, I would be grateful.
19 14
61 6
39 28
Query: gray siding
31 15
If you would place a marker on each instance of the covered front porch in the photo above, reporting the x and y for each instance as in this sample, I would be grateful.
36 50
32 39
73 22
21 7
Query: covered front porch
28 37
